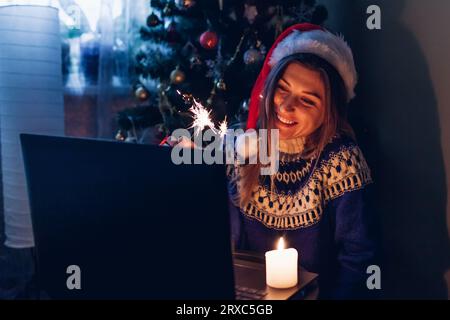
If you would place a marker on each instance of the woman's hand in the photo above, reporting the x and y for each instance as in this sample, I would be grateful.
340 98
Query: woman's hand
182 142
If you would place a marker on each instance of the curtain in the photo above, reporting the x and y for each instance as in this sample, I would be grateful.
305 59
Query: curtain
107 58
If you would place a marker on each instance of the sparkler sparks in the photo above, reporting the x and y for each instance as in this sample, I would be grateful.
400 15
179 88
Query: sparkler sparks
201 117
223 127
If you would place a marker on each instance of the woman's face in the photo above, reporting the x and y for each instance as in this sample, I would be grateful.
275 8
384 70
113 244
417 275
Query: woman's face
299 102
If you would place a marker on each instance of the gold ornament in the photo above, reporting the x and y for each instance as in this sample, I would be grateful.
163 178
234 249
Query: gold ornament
141 93
252 56
184 4
189 3
177 76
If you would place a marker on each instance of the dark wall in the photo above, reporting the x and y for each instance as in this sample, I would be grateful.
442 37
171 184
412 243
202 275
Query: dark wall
398 124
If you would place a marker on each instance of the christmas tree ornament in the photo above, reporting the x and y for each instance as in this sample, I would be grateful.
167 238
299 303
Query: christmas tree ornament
120 136
177 76
252 56
185 4
195 60
141 93
209 40
153 20
221 85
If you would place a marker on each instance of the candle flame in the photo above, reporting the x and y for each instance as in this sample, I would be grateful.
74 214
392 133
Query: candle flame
201 118
280 244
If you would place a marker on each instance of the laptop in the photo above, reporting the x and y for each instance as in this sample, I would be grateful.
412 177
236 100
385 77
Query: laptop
113 220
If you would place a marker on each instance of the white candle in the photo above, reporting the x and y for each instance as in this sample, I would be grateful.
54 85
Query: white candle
282 267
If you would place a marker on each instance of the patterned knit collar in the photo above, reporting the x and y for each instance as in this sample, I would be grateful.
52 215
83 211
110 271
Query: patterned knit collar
292 146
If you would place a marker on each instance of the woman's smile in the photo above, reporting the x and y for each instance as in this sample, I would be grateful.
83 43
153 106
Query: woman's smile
285 121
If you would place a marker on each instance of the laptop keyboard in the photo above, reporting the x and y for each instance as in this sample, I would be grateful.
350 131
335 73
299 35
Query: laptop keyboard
244 293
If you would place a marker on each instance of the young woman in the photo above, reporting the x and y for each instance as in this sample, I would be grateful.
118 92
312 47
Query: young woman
318 198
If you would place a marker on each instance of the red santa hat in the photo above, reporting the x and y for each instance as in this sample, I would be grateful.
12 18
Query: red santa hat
305 38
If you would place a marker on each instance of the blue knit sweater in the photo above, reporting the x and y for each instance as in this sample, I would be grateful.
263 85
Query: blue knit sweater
320 207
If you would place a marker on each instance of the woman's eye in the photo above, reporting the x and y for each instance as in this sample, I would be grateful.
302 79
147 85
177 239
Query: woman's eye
308 101
282 94
282 89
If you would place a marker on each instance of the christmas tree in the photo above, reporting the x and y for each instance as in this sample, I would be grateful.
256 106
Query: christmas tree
207 50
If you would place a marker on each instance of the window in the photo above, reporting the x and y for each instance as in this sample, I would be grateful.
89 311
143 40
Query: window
95 47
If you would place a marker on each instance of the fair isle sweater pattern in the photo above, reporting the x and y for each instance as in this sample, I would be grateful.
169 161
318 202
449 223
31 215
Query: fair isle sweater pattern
303 188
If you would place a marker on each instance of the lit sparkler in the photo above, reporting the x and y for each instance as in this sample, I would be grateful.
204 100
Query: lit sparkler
201 117
223 127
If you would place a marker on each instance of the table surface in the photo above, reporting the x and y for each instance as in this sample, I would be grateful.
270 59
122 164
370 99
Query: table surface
249 271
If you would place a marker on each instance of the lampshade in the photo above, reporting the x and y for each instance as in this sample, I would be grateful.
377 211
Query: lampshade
31 101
